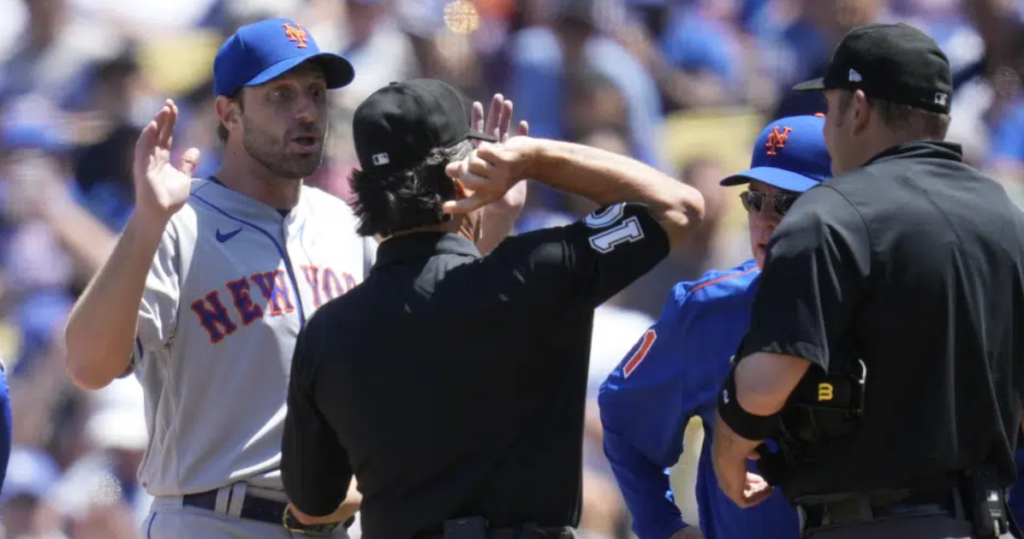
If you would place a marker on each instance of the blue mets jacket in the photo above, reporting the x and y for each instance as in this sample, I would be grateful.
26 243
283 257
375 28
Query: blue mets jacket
672 374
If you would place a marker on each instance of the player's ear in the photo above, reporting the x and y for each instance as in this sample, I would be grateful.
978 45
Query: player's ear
227 110
861 111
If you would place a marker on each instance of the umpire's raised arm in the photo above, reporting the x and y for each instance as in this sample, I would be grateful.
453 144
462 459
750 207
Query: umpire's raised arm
601 176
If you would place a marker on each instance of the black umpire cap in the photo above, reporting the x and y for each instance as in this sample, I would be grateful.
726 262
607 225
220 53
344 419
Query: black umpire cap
895 62
397 126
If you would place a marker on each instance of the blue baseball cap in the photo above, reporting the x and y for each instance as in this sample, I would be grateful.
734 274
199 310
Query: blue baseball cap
264 50
789 154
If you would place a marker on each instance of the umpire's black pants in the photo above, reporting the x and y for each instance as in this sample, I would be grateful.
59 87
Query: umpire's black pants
917 527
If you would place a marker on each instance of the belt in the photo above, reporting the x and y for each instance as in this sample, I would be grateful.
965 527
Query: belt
517 532
253 507
861 508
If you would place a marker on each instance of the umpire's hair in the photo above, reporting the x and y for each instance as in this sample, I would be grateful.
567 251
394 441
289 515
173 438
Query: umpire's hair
899 117
407 199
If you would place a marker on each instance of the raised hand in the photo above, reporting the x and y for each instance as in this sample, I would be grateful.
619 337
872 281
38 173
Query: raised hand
500 215
490 172
160 188
498 121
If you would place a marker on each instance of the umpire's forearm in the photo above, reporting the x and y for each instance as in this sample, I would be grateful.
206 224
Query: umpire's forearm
608 178
101 329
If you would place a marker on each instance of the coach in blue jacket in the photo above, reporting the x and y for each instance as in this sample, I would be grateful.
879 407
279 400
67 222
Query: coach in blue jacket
675 370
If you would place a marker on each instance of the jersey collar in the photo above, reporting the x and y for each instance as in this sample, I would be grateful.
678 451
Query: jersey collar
948 151
213 190
420 245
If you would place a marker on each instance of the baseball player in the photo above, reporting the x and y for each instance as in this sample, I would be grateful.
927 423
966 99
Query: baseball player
675 370
211 281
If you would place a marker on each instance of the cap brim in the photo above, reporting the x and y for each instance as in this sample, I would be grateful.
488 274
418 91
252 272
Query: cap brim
477 135
338 71
815 85
776 177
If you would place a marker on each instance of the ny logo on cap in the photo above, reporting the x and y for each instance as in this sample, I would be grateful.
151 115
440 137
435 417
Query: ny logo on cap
854 76
941 98
777 139
296 34
381 159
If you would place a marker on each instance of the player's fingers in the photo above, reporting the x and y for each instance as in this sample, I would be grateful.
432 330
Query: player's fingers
758 496
490 153
189 161
524 128
479 166
494 113
175 114
477 120
147 139
505 121
465 205
755 480
475 182
166 122
457 169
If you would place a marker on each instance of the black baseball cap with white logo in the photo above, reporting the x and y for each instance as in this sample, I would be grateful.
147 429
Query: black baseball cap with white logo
397 126
895 62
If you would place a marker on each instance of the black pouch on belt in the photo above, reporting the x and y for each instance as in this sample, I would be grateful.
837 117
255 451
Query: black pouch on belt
985 503
466 528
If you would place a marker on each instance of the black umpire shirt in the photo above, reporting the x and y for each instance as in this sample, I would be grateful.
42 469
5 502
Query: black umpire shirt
915 264
454 385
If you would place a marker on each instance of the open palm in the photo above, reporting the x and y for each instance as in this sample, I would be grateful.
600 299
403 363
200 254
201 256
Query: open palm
160 188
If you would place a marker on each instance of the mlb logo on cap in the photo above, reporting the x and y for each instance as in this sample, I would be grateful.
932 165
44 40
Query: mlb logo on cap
262 51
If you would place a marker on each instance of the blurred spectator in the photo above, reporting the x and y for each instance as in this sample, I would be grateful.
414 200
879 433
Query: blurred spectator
34 268
594 104
103 177
803 49
99 491
369 34
54 52
579 38
692 50
31 474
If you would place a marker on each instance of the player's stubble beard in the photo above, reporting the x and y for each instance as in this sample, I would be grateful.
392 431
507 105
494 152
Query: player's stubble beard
272 152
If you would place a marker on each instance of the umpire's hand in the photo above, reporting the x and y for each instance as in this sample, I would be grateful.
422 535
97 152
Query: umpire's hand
490 171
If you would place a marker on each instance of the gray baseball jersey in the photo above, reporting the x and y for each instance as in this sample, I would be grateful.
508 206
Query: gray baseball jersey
230 286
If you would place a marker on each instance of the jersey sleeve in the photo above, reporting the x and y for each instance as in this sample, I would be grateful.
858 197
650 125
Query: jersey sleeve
589 261
158 310
646 403
818 262
315 467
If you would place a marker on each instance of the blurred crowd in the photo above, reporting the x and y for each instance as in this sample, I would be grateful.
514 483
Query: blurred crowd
684 85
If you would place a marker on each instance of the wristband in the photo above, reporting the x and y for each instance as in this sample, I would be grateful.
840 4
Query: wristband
749 426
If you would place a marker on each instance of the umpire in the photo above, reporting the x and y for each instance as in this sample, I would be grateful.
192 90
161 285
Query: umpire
886 346
452 385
